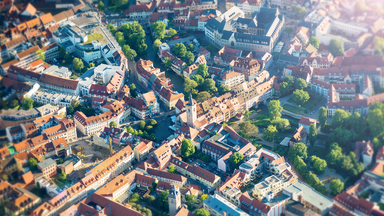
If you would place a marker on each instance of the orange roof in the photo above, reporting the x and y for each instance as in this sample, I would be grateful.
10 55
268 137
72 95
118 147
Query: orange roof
36 63
47 18
22 157
33 23
141 147
4 152
230 75
112 186
43 209
30 9
378 169
307 121
28 178
59 141
28 52
149 98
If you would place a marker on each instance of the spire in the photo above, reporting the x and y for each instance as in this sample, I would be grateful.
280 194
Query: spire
190 103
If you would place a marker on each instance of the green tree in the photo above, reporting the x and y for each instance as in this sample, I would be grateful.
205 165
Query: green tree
32 163
189 58
62 52
162 200
377 143
40 54
153 122
299 163
270 133
280 123
70 110
211 48
112 124
312 134
190 199
346 163
299 149
323 115
319 164
142 48
290 81
159 29
202 212
224 89
315 42
180 50
111 28
167 63
203 70
203 96
336 186
375 119
120 3
274 109
156 45
129 53
101 6
130 130
172 32
27 103
356 124
187 148
171 168
38 185
378 46
250 129
198 79
60 161
190 47
300 11
141 125
209 85
235 160
14 103
149 199
300 96
204 197
4 176
135 197
189 85
336 47
339 117
284 88
78 64
301 84
63 176
334 156
67 58
91 65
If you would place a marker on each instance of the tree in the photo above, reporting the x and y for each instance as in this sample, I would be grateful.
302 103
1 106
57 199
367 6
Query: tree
203 70
377 143
280 123
180 50
101 6
149 199
171 168
323 115
299 164
336 186
62 52
189 58
154 185
270 133
152 137
4 176
378 46
111 28
315 42
27 103
290 81
375 119
274 109
167 62
120 3
204 197
159 29
346 163
299 11
209 85
142 47
189 85
284 88
40 54
299 149
312 134
224 89
248 128
141 125
300 96
335 154
162 200
190 199
78 64
129 53
14 103
156 44
198 79
301 84
235 160
135 197
153 122
172 32
67 58
38 185
70 110
339 117
63 176
187 148
112 124
336 47
91 65
203 96
190 47
202 212
32 163
211 48
60 161
319 164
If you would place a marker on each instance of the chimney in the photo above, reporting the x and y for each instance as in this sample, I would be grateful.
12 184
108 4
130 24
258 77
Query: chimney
224 213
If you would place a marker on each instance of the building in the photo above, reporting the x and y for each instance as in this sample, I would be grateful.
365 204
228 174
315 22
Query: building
306 123
364 152
174 200
142 150
231 79
226 55
22 204
255 34
48 168
115 190
249 67
308 196
300 135
141 11
217 205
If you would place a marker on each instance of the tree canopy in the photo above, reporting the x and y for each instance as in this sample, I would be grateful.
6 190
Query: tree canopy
40 54
203 96
315 42
202 212
301 84
336 47
159 29
270 133
284 88
27 103
78 64
180 49
235 160
224 89
250 129
300 96
187 148
203 70
112 124
312 134
101 6
189 58
336 186
323 115
274 109
298 149
210 85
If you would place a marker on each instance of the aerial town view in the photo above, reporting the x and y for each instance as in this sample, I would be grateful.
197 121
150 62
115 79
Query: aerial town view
191 107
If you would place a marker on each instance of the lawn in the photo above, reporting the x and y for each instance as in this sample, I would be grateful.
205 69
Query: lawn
318 151
262 120
294 109
94 36
74 76
312 102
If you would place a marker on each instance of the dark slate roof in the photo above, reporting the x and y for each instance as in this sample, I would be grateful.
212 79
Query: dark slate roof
244 21
226 35
219 25
289 58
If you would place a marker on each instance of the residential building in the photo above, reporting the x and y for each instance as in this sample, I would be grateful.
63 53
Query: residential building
217 205
167 177
247 66
48 168
318 62
115 190
22 204
141 11
231 78
226 55
306 123
142 150
364 152
300 135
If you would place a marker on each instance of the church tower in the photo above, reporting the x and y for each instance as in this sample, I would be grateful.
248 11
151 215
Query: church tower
174 201
191 112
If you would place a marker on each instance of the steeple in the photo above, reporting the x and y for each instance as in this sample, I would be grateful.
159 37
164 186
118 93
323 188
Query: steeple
191 112
190 103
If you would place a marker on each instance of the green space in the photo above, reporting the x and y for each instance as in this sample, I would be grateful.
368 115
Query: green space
317 151
261 120
74 76
294 109
37 193
312 102
94 36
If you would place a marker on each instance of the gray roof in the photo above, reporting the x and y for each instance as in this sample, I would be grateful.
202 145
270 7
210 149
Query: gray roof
219 204
289 58
219 25
48 162
226 35
70 159
310 195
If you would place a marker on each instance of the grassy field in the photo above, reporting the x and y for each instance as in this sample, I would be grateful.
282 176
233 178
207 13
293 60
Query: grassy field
294 109
94 36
